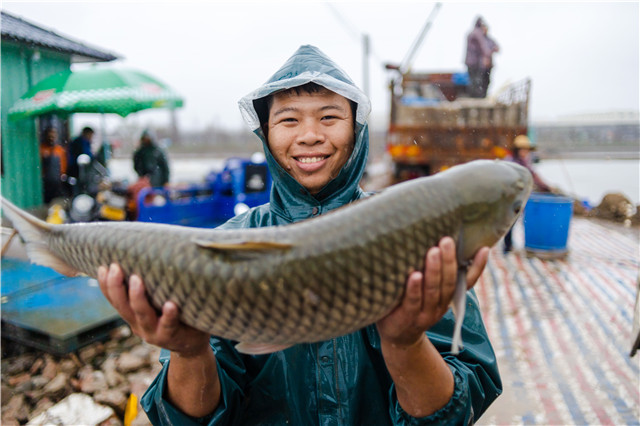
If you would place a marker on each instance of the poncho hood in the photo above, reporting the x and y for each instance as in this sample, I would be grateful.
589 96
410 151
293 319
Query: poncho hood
289 199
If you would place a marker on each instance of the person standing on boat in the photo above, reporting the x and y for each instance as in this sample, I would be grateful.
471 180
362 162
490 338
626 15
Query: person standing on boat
493 48
150 161
479 61
312 121
53 159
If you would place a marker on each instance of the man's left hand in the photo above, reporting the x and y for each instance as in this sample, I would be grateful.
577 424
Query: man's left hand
428 294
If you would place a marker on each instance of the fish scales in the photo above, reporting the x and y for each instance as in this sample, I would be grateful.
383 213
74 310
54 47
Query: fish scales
356 259
309 281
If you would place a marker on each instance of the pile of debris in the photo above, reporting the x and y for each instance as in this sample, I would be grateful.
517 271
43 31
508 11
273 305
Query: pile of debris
37 387
618 208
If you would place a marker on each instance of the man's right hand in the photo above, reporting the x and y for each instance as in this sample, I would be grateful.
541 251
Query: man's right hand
190 350
165 330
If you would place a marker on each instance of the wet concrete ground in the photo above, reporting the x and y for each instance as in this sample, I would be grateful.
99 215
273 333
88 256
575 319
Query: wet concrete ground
562 329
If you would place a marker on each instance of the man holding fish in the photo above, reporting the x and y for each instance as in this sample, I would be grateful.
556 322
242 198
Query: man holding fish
311 119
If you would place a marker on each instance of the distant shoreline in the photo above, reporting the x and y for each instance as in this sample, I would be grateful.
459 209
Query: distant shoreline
589 155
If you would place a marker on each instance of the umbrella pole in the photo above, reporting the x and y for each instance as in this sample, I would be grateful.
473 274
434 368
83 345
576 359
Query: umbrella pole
105 147
103 127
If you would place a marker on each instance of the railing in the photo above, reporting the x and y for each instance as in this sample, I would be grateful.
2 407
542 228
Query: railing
515 93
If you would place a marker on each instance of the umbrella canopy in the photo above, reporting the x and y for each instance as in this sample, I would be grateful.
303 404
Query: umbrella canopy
99 90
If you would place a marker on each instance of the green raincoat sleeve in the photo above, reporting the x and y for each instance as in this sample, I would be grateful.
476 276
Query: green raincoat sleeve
343 380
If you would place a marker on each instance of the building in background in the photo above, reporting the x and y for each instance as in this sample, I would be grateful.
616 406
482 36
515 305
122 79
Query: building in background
613 134
31 53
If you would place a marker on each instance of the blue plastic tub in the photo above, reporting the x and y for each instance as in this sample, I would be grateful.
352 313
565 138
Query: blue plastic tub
546 225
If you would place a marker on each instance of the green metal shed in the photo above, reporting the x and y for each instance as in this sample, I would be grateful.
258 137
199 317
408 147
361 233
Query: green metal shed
30 53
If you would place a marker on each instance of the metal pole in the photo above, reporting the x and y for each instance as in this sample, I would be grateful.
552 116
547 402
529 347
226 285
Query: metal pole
175 135
365 63
408 59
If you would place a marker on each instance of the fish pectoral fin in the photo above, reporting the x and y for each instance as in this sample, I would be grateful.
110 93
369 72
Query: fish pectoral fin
244 246
260 348
458 306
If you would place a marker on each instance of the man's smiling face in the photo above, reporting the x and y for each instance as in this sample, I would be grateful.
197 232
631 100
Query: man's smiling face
311 135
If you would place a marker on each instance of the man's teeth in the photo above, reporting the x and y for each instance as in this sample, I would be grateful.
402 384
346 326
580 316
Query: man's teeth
310 159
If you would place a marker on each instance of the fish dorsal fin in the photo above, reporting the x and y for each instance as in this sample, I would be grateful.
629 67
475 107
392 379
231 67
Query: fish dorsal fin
243 245
242 250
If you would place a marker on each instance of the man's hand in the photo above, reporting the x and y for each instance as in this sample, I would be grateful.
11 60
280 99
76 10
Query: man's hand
166 330
190 350
428 294
424 382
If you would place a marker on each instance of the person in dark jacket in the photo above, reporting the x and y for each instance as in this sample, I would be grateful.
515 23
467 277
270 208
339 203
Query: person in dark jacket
312 121
78 146
479 59
150 161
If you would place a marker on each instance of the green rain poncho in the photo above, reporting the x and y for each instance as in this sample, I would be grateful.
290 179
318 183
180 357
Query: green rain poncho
342 381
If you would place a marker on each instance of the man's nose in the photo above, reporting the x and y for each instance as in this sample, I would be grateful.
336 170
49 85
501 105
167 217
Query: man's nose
311 133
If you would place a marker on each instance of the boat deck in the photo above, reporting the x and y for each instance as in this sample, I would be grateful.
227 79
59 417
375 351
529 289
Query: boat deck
562 329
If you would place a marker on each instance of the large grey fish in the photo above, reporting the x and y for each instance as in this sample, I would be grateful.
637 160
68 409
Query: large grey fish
269 288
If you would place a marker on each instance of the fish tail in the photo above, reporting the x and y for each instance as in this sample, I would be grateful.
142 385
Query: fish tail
458 305
35 234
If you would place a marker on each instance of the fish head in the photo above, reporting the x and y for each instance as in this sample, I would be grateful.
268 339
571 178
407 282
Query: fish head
494 194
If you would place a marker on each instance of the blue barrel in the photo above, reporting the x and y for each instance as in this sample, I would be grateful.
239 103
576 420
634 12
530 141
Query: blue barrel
546 225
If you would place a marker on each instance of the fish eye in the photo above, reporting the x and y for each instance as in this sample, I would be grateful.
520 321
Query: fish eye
517 206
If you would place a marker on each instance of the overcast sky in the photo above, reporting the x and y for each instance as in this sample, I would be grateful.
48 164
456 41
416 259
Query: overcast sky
582 57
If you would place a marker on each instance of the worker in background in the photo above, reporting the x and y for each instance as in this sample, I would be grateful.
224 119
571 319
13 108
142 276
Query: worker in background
53 158
78 146
150 161
522 155
479 59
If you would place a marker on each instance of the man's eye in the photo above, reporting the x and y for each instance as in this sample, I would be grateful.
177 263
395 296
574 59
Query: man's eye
330 117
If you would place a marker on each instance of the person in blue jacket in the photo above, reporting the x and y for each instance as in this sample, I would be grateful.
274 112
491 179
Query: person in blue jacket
312 121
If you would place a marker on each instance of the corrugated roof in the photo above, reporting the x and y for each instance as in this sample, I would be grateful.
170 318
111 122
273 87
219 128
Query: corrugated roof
17 29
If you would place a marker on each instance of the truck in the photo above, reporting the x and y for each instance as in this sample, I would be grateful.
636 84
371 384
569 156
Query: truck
434 124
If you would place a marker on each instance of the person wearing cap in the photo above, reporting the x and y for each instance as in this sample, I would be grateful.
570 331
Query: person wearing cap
522 154
150 161
312 121
479 58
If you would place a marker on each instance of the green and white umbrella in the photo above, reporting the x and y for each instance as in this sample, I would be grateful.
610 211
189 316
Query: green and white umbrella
95 90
